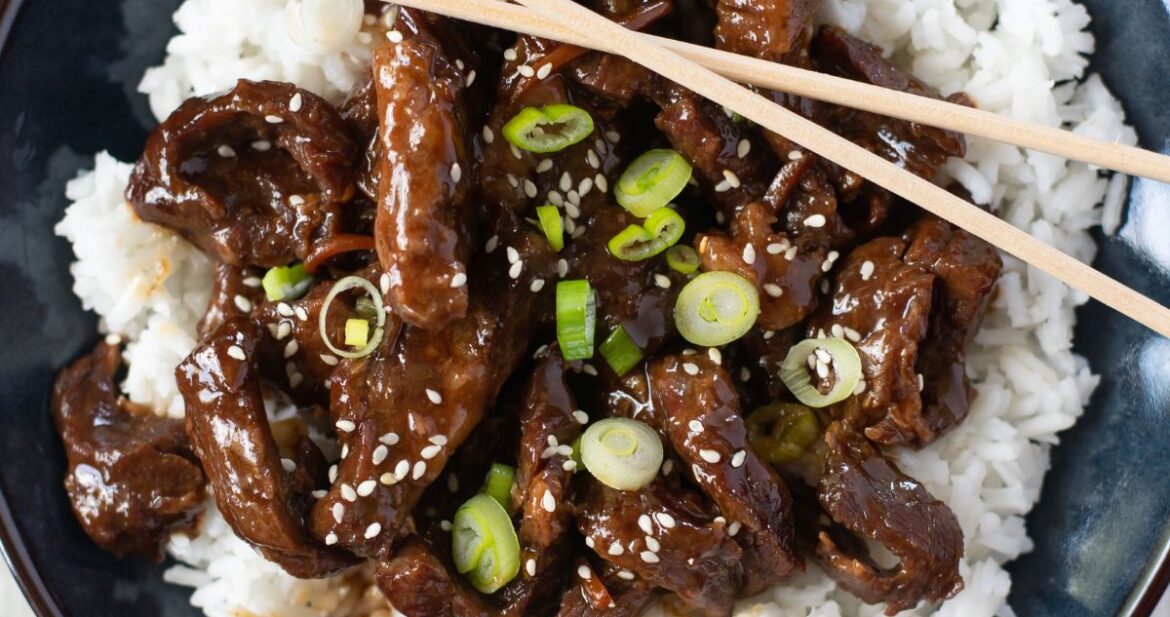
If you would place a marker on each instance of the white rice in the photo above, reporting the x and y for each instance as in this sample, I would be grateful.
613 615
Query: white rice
1024 58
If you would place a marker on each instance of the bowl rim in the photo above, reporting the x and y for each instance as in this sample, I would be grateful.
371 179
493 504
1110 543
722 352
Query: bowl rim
1147 592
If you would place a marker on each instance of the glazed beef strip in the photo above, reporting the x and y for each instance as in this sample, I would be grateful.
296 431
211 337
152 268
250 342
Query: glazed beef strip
776 30
132 477
236 291
252 177
866 494
606 593
423 226
261 489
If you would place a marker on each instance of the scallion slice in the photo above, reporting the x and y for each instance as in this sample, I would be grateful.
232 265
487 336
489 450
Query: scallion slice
343 285
551 128
661 230
652 181
484 545
843 371
782 432
552 226
682 258
357 332
621 453
498 484
620 351
576 319
716 308
286 282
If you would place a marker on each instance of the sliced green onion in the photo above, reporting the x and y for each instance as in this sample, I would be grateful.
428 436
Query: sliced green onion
551 128
682 258
576 319
661 230
782 432
835 379
620 351
552 226
286 282
498 484
621 453
365 309
652 181
343 285
484 545
716 308
357 332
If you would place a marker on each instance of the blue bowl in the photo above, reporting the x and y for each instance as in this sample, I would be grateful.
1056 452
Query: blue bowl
68 71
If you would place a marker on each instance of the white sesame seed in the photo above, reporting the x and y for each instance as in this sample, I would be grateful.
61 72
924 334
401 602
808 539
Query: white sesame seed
537 285
529 188
738 458
384 283
526 70
388 478
452 482
625 575
544 71
745 374
921 382
822 369
711 456
585 186
548 502
581 417
601 182
743 148
552 440
389 439
662 281
288 465
489 136
271 119
394 36
515 152
420 468
653 544
775 248
695 426
331 538
510 54
347 493
691 368
572 210
373 530
566 182
431 451
649 557
237 352
715 355
365 489
402 469
380 454
815 221
544 165
613 136
301 313
291 348
790 254
731 178
512 180
491 245
664 519
445 525
471 78
562 268
795 155
645 524
438 440
616 549
262 145
434 396
851 334
723 186
318 494
295 380
667 467
294 104
345 425
823 356
530 567
867 268
225 151
859 388
593 160
515 270
826 265
569 465
253 282
733 528
749 254
329 360
332 474
773 290
589 369
456 172
584 572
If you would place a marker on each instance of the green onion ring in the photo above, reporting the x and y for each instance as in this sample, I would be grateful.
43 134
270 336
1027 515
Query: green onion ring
484 545
498 484
576 319
716 308
551 128
652 181
661 230
621 453
552 226
682 258
342 285
782 432
620 351
845 365
286 282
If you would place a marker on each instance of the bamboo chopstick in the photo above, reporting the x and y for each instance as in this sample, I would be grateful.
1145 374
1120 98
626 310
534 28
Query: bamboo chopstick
597 29
848 93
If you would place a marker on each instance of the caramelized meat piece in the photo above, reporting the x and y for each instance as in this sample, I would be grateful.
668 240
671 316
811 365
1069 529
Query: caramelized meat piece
697 407
667 536
132 476
866 494
918 148
786 273
966 270
252 177
609 592
612 77
237 290
262 501
422 228
771 29
420 584
360 111
401 411
882 304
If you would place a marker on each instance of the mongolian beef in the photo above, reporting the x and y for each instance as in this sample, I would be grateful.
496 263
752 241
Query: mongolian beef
567 338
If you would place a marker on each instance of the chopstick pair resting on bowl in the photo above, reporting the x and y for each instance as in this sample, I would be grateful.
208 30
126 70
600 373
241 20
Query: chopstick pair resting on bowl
691 66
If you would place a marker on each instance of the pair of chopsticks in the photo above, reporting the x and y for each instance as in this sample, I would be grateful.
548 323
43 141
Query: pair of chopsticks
686 65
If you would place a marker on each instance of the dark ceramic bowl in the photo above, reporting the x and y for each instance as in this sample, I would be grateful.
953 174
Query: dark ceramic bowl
68 70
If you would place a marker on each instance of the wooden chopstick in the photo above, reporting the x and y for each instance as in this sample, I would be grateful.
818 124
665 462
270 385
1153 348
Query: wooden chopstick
829 88
825 143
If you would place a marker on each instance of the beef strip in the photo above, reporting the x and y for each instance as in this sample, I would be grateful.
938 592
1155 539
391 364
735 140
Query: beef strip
966 270
785 272
236 291
402 410
867 495
263 498
422 229
132 477
608 592
881 304
418 583
695 558
696 406
252 177
777 30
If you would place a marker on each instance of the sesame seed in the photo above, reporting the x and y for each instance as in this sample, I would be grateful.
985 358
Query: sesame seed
380 454
434 396
225 151
338 511
921 382
515 152
743 148
773 290
852 335
790 254
301 313
823 356
431 451
826 265
795 155
613 136
438 440
715 355
365 489
616 549
581 417
271 119
601 182
262 145
552 440
738 458
491 245
288 465
749 254
859 388
822 370
452 482
291 348
544 165
548 502
815 221
512 181
625 575
318 494
723 186
459 280
745 374
471 78
695 426
489 136
294 104
566 182
347 493
295 379
537 285
589 369
572 210
252 281
667 467
544 71
529 188
332 474
584 572
775 248
329 360
384 283
420 468
719 520
388 478
394 36
242 303
237 352
867 268
569 465
649 557
373 530
331 538
510 54
732 179
402 468
445 525
346 425
593 160
526 70
515 270
530 567
691 368
653 544
711 456
662 281
456 172
389 439
664 519
733 528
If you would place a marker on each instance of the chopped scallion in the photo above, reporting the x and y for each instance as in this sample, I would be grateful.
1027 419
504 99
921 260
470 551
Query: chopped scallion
782 432
498 484
661 230
357 332
716 308
484 545
552 226
842 371
286 282
682 258
551 128
375 298
620 351
576 319
621 453
652 181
